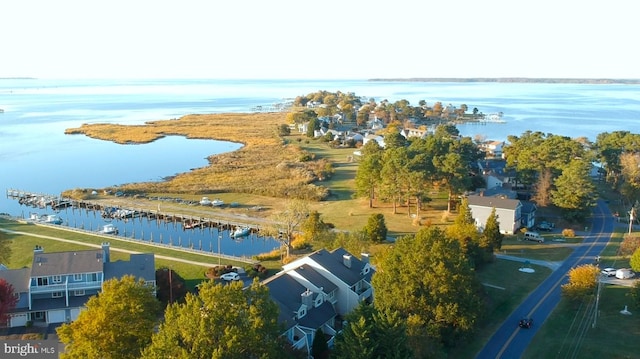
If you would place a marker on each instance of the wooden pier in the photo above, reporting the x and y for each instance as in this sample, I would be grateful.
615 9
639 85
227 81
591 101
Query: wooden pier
188 222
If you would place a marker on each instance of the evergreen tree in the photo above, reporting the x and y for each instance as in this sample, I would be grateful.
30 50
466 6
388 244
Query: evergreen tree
376 228
427 280
491 234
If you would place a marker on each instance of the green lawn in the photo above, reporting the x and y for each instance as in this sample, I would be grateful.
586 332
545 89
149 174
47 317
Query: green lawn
505 288
569 331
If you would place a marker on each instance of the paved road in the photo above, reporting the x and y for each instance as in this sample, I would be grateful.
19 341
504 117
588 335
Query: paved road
509 341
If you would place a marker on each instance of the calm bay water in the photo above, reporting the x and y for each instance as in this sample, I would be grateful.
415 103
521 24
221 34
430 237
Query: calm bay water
37 156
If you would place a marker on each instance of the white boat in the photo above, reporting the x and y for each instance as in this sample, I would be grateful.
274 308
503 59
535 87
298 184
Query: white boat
51 219
217 202
205 201
109 229
240 232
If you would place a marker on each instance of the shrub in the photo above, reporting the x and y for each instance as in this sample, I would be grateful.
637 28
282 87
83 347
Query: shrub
569 233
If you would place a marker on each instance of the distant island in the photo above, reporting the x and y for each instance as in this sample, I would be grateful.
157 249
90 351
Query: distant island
517 80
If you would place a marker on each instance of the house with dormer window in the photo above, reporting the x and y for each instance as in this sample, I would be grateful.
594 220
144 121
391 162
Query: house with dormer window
316 291
58 284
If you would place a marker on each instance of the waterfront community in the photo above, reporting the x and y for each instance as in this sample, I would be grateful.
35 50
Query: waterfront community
320 166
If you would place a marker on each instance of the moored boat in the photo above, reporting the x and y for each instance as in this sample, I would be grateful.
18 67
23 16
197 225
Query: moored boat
240 232
109 228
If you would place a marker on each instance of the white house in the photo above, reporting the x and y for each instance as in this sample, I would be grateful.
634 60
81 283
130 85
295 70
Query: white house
508 210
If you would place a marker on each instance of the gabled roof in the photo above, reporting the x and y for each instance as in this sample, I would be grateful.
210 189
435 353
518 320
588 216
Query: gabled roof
318 316
18 278
490 202
333 262
141 265
313 276
59 263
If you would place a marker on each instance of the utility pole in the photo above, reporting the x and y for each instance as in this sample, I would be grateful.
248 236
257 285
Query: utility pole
595 313
632 217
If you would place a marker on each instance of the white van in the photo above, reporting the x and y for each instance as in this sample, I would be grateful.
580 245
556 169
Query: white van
624 273
533 236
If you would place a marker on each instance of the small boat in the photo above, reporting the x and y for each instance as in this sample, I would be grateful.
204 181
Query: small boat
109 229
240 232
205 201
217 202
51 219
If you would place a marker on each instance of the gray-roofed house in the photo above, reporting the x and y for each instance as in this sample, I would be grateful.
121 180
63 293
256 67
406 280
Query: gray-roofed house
313 292
58 284
508 210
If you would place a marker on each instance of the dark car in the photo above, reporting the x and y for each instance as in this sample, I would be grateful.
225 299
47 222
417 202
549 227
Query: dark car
526 323
545 226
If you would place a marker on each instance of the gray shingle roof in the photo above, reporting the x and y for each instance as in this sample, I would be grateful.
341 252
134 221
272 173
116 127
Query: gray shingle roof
317 279
59 263
334 263
140 265
497 202
18 278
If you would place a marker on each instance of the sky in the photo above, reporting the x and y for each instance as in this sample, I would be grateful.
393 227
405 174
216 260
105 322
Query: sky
330 39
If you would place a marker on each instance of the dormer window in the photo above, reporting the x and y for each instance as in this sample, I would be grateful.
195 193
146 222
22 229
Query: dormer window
318 301
56 279
302 312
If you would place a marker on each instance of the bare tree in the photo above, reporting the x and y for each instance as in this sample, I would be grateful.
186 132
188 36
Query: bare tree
287 222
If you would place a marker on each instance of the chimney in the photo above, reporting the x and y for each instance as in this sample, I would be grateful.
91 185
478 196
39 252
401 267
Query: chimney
307 298
105 252
346 260
365 257
38 249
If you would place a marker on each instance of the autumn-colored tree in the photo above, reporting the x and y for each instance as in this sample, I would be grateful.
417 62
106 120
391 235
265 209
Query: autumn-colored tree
313 227
222 321
7 301
582 283
542 188
630 243
634 262
117 323
287 222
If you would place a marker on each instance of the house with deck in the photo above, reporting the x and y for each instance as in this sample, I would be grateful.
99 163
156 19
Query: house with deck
315 292
58 284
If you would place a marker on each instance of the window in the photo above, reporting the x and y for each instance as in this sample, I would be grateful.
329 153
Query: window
302 312
56 295
77 277
94 277
56 279
78 293
16 295
43 281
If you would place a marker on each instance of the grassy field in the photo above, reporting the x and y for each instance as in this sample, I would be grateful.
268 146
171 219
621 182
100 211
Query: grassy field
22 250
505 288
570 333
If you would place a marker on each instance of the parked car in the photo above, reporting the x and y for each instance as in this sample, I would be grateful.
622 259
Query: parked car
609 272
545 226
230 276
533 236
624 273
525 323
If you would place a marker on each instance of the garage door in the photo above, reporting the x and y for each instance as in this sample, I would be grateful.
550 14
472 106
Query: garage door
74 314
18 320
56 316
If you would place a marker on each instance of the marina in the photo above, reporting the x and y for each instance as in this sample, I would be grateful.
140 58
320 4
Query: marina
199 234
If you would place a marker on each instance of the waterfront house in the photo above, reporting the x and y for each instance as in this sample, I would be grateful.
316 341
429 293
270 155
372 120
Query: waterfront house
57 286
